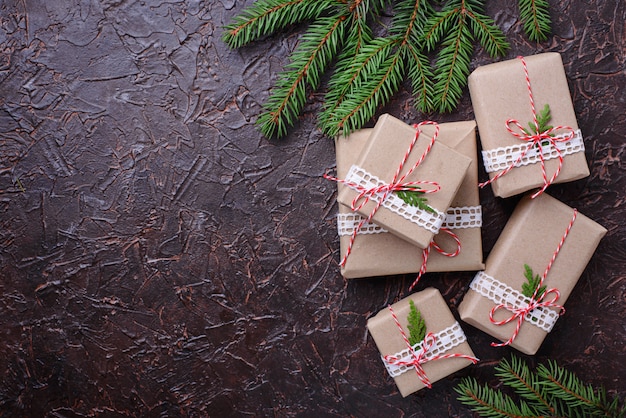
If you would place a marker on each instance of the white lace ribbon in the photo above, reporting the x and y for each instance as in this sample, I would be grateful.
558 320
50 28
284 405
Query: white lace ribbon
456 218
500 158
446 339
427 220
500 293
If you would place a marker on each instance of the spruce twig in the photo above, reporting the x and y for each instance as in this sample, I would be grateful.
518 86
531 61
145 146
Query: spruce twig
535 18
532 282
416 326
551 391
369 70
416 198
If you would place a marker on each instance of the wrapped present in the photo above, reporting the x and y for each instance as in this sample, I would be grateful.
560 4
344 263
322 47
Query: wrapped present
531 271
442 350
526 124
377 252
401 159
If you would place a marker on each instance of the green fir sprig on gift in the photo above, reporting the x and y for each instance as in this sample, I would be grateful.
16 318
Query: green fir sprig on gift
415 198
543 118
532 282
368 69
535 17
416 326
549 391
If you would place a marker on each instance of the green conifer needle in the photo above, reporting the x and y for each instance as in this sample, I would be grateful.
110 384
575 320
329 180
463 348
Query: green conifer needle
415 198
417 326
532 282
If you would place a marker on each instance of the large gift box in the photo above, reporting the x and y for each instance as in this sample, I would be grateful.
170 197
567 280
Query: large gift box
443 351
435 166
377 252
544 238
503 92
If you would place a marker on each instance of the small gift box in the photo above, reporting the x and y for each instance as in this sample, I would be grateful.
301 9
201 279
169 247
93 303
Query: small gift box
531 271
377 252
400 158
508 98
416 364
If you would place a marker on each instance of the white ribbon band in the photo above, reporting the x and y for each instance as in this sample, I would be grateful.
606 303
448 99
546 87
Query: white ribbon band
500 158
427 220
456 218
500 293
446 339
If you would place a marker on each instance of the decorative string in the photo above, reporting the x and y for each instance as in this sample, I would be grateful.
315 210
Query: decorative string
398 183
535 302
426 253
536 140
420 356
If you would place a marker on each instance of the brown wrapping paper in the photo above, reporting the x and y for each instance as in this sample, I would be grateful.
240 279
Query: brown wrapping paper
386 254
499 93
531 236
437 316
381 157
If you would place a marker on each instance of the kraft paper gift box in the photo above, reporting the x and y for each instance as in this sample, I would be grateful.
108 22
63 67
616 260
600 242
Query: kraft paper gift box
378 162
377 252
449 341
499 92
531 236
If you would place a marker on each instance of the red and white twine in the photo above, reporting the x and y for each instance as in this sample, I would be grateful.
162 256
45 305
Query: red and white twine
398 183
535 302
535 140
426 253
419 357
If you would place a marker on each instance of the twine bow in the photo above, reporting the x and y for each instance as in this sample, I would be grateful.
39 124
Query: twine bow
519 314
398 183
536 140
419 357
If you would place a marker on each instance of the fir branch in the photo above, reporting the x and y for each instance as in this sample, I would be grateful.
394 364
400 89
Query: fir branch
453 66
580 399
416 326
378 79
268 16
415 198
347 71
532 282
543 118
535 18
551 391
487 402
451 27
526 384
318 47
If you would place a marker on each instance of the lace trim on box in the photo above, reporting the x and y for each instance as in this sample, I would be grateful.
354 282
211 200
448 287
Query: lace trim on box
446 339
456 218
464 217
500 293
429 221
500 158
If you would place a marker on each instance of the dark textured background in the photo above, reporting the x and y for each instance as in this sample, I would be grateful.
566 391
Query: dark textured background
158 257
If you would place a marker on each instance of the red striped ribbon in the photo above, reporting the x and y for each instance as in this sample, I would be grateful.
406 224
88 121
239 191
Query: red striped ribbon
536 140
398 183
419 358
535 302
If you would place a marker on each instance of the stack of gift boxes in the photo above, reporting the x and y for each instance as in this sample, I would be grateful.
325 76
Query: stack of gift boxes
409 203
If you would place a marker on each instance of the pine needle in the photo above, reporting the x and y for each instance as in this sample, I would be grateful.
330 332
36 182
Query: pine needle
416 326
551 391
535 18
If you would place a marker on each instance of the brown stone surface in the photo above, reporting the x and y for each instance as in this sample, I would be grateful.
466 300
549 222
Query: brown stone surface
158 257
